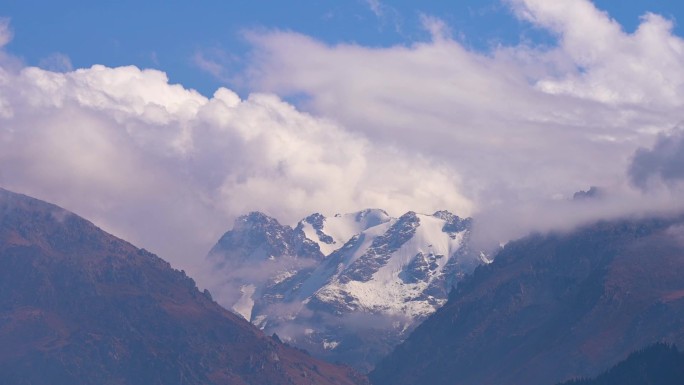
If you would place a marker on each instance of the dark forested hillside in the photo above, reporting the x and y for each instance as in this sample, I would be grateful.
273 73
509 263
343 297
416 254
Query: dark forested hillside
552 308
658 364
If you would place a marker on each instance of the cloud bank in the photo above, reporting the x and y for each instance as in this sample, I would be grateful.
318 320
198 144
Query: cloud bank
524 126
506 134
169 169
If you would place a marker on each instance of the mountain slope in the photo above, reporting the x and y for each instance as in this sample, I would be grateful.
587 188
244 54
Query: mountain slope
78 305
374 280
552 307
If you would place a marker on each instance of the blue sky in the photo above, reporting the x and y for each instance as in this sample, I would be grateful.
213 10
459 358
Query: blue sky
168 35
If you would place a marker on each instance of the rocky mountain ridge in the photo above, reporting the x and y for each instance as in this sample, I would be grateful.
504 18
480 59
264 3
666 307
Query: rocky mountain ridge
553 307
310 283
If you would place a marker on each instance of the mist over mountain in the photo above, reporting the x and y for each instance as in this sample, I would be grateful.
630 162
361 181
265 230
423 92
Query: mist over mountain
346 288
80 306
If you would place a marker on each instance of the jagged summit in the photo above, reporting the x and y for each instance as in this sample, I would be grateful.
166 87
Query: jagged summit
332 233
368 263
258 258
256 237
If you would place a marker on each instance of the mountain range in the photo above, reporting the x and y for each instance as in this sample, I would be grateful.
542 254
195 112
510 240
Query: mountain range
348 287
80 306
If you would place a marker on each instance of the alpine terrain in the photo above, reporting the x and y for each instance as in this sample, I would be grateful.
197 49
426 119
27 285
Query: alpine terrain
551 308
346 288
80 306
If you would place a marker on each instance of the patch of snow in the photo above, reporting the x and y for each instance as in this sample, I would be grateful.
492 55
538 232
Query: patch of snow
485 259
342 227
386 292
245 304
260 321
282 276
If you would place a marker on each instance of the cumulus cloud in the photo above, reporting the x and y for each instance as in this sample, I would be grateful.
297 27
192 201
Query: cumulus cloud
509 134
523 126
642 68
169 169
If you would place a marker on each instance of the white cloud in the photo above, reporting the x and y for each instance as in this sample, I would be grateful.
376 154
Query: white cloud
643 68
520 125
437 27
169 169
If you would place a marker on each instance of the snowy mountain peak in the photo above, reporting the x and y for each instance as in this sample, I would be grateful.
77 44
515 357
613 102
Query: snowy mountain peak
334 269
381 249
453 223
370 217
257 237
404 266
332 233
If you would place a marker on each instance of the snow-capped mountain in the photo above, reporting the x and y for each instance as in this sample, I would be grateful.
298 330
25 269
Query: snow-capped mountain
553 307
348 287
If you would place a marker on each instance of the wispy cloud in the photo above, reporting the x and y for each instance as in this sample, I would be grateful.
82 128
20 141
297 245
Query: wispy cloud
386 15
210 65
5 31
57 62
376 7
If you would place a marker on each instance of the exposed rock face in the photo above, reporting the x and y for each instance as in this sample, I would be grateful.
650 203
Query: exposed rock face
80 306
370 281
553 307
260 261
